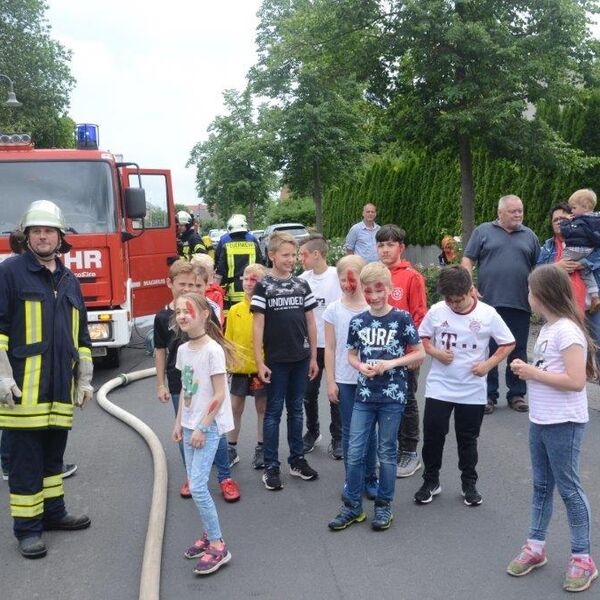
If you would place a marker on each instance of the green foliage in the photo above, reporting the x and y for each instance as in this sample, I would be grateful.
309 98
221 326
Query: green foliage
39 67
294 210
207 224
336 250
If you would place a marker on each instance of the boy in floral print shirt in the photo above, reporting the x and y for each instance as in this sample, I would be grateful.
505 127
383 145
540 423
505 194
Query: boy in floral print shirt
382 342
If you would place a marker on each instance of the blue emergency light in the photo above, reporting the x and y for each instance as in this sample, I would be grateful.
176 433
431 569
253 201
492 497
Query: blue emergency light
86 136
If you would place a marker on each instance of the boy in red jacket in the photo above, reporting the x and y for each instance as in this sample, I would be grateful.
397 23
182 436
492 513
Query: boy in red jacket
408 293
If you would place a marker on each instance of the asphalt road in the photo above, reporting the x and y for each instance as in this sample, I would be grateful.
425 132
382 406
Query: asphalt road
281 547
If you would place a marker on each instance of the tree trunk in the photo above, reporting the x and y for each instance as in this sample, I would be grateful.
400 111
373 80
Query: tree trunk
318 196
251 212
467 190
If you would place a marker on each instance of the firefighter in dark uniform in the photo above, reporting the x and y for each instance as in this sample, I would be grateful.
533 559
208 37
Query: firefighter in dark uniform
189 241
238 248
45 368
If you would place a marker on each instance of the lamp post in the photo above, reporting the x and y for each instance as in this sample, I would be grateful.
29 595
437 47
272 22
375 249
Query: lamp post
12 98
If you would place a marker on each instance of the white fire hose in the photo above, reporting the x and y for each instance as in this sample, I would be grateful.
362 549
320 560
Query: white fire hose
150 576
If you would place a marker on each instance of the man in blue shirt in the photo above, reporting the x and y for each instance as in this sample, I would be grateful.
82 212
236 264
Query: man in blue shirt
361 237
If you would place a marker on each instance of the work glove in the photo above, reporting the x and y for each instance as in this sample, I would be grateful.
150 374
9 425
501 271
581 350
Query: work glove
8 386
84 390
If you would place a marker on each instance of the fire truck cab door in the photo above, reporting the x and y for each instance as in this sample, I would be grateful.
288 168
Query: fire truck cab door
153 243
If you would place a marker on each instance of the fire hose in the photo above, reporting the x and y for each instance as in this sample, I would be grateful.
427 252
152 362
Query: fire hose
151 563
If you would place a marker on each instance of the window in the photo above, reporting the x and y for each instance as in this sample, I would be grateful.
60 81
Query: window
157 208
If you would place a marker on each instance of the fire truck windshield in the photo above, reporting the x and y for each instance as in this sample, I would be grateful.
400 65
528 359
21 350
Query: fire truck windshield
82 189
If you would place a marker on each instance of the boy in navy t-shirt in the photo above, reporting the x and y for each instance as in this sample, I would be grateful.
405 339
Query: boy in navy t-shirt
382 342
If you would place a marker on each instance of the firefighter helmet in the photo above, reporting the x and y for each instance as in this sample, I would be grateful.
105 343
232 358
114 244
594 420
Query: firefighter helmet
237 223
184 218
43 213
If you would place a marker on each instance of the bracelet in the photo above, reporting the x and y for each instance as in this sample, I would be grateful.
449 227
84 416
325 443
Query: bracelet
203 428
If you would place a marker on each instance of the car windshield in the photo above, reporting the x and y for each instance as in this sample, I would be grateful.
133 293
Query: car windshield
82 189
293 229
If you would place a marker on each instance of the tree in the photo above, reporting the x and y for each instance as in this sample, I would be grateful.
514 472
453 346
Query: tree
463 74
39 66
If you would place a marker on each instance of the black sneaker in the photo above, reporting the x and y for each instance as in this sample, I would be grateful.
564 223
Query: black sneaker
233 455
68 470
272 478
335 449
383 516
471 495
300 468
259 457
310 441
428 490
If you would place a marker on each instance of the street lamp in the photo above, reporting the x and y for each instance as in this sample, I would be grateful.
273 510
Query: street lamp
12 98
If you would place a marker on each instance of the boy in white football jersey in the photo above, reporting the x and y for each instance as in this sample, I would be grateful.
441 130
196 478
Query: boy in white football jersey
456 333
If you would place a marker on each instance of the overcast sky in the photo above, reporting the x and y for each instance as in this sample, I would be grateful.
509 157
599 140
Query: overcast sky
152 75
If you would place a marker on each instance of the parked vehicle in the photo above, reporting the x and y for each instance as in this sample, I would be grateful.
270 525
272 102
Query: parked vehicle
296 229
215 235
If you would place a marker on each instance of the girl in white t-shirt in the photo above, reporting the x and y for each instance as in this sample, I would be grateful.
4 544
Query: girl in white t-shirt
341 376
557 413
204 415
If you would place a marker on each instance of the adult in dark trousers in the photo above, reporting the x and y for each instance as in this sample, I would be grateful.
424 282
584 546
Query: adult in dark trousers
505 252
189 241
45 368
237 249
18 245
361 237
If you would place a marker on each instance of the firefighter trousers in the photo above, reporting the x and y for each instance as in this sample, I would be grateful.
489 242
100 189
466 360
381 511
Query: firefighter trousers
35 479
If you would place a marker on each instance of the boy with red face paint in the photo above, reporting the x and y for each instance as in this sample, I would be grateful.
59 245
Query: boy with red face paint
408 293
382 342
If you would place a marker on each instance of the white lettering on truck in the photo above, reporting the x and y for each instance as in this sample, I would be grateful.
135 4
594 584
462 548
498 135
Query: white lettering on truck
83 259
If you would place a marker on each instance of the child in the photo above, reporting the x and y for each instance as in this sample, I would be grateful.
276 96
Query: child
245 381
213 291
558 411
323 281
184 277
456 334
582 237
203 417
341 377
382 342
408 293
284 323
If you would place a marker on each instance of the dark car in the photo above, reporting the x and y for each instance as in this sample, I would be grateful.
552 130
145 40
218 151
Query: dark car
298 230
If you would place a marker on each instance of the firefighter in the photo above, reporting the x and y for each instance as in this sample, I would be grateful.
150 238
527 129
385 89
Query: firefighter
189 241
238 248
45 368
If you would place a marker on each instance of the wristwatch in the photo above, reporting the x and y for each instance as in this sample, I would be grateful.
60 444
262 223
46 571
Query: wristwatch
203 428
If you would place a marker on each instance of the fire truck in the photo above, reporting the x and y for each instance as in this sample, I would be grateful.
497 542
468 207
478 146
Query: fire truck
121 225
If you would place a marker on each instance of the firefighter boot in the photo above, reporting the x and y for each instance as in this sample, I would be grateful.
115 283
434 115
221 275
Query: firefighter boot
68 523
32 547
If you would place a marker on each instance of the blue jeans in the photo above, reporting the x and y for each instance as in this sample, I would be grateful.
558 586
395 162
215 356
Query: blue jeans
593 322
221 457
198 462
347 393
387 416
555 461
288 382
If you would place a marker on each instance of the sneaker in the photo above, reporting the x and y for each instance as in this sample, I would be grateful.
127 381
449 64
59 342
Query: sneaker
198 548
371 488
526 561
408 464
346 517
310 441
383 516
259 457
471 495
233 455
272 478
5 475
490 407
300 468
212 560
580 574
184 490
427 491
68 470
335 449
230 490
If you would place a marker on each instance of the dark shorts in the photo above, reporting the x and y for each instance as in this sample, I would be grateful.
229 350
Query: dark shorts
247 385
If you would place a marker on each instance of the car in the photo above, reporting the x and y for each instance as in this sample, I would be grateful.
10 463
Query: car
257 233
215 235
298 230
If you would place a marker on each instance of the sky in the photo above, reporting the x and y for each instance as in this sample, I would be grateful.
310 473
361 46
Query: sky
153 78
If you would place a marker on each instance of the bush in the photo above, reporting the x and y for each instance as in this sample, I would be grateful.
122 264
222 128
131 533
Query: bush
294 210
336 251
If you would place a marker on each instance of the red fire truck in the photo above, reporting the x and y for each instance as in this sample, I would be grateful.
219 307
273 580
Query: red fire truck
121 222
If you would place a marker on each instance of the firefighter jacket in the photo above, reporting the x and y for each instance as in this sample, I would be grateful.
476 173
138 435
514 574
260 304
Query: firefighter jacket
43 328
237 251
190 243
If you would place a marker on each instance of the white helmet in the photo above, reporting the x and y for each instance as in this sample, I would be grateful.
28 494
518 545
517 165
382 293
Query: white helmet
237 223
183 218
43 213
